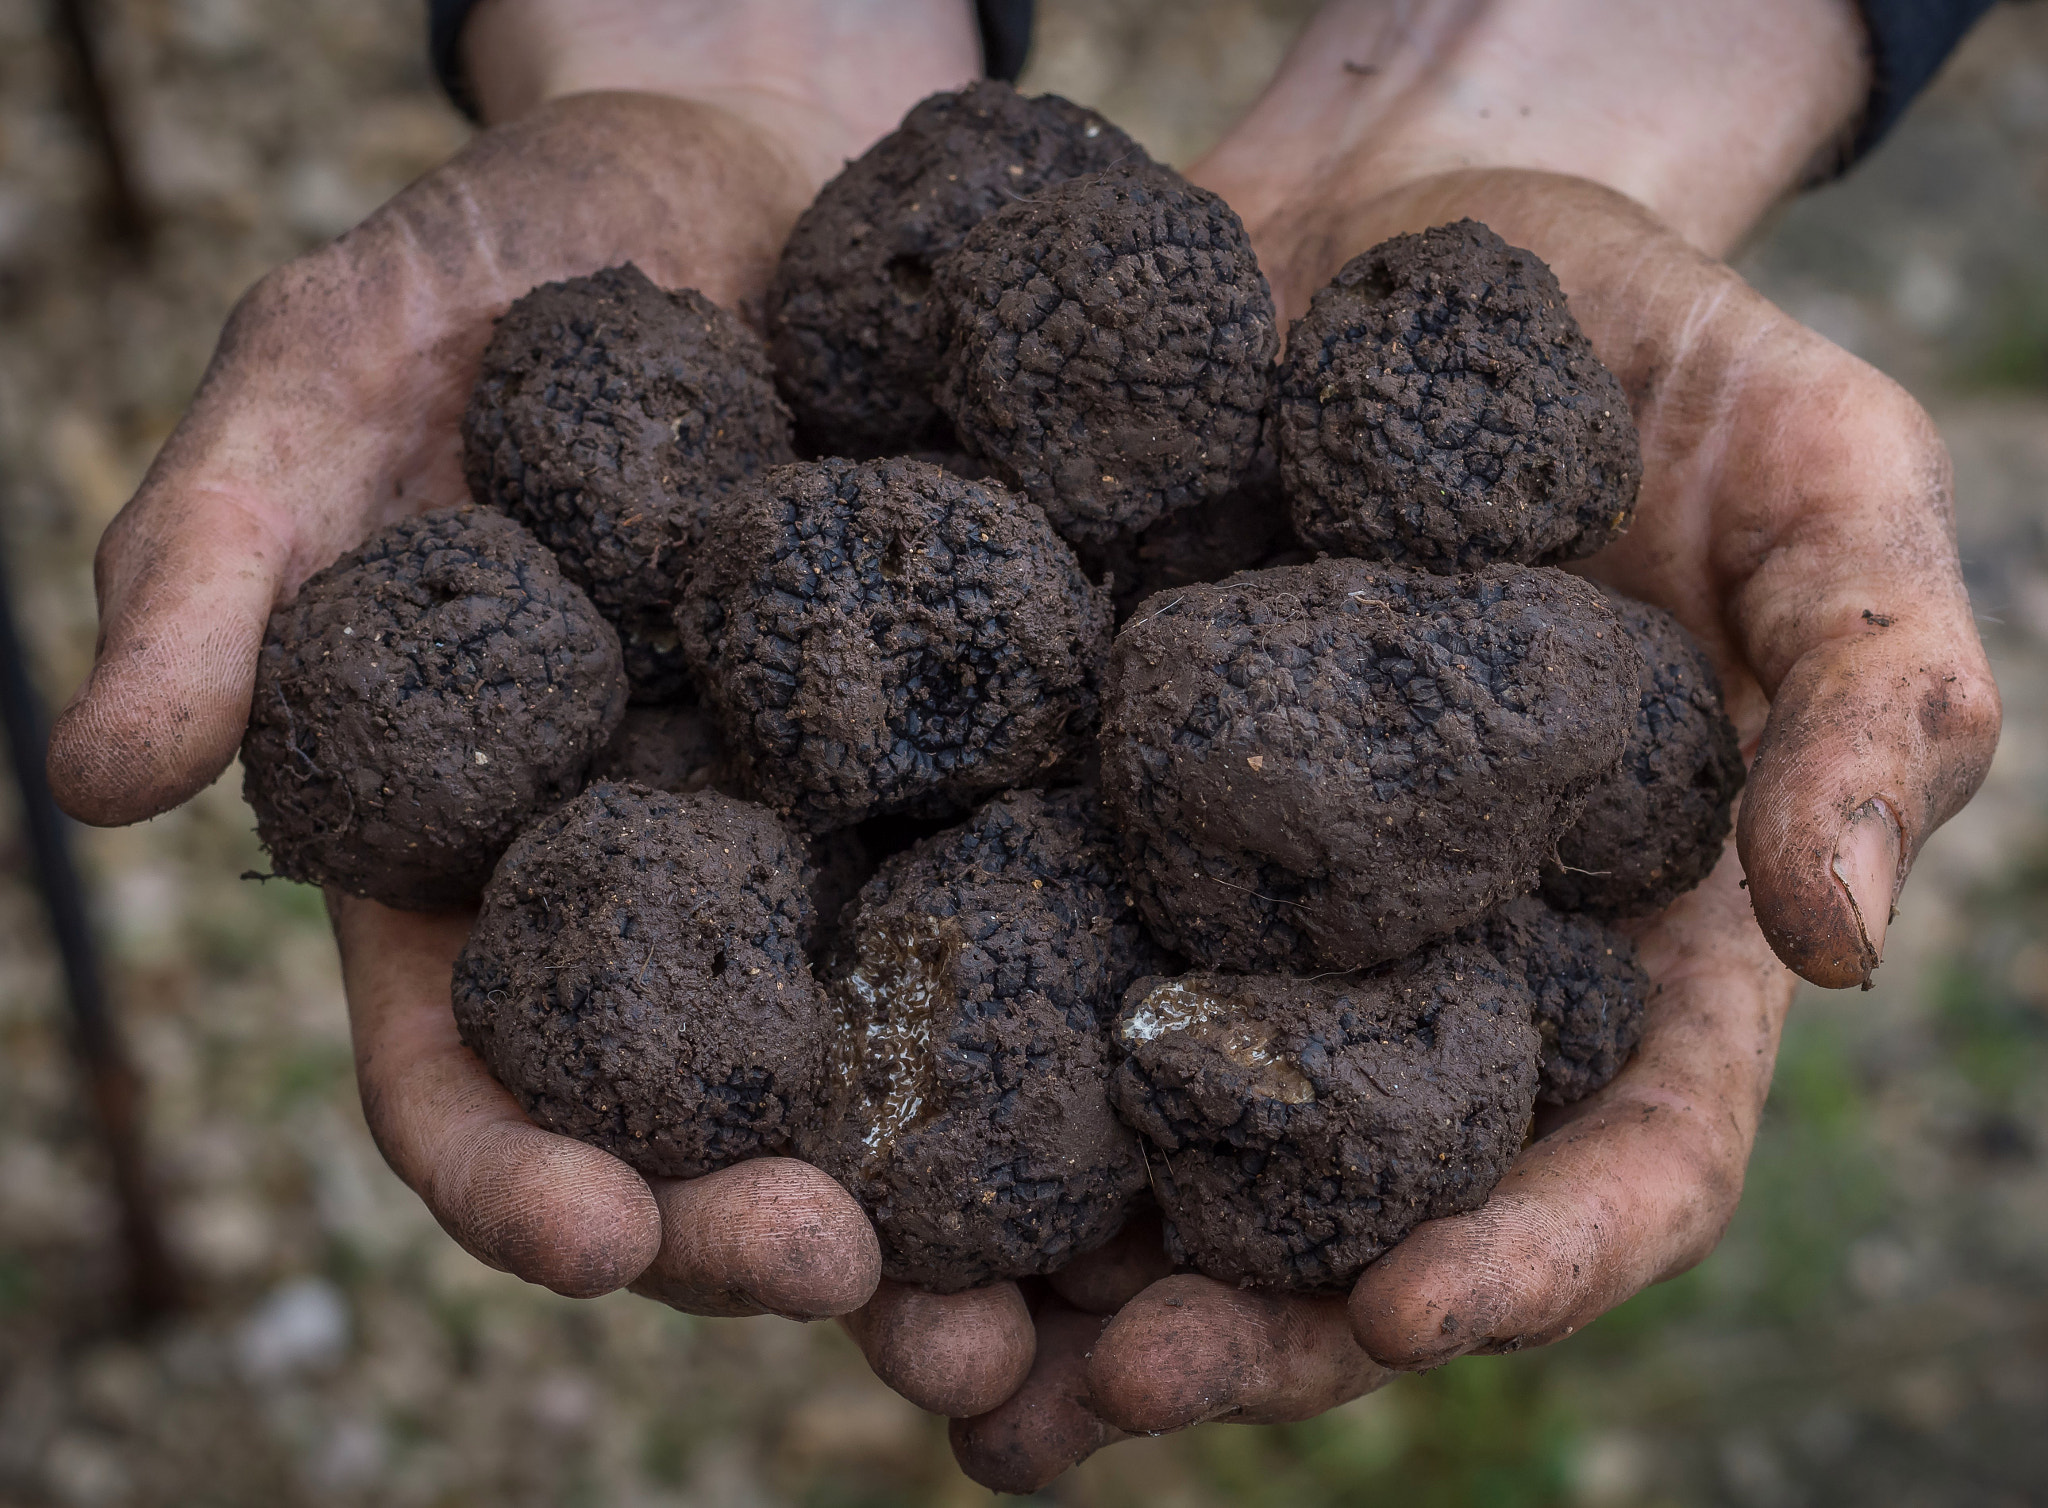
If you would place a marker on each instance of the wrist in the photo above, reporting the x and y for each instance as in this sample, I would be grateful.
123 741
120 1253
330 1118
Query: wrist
1705 115
826 78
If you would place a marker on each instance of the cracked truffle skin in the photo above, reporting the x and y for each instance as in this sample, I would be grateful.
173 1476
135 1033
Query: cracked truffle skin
970 1111
886 637
1656 827
1439 406
1588 986
1324 766
420 701
610 417
637 979
1303 1126
848 309
1110 348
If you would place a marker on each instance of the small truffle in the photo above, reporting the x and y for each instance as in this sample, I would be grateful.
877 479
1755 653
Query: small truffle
1246 529
1654 829
670 746
1588 986
887 637
420 701
1324 766
611 415
637 979
1109 348
1439 406
1304 1126
847 309
970 1110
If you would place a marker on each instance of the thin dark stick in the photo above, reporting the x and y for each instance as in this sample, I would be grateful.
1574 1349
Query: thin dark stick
153 1284
127 222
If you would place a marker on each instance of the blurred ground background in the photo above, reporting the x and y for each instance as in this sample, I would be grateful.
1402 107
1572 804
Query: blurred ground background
1874 1330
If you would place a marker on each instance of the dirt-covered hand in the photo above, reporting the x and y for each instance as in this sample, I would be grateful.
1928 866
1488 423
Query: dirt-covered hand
1795 516
331 408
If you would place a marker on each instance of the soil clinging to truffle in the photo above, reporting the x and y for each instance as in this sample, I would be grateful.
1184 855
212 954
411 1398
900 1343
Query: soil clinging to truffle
1303 1126
848 309
420 701
1654 828
637 979
970 1111
610 417
1588 986
1110 348
887 637
1324 766
1440 406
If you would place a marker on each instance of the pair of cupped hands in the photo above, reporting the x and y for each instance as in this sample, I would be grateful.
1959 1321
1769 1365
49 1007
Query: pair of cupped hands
1794 514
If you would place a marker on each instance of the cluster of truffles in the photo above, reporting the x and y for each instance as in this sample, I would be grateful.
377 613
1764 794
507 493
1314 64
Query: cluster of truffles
1077 758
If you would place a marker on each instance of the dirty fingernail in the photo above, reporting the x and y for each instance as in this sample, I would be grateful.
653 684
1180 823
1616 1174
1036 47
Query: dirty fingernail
1867 864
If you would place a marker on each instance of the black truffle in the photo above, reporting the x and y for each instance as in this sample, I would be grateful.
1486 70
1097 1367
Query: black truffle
670 746
1440 406
609 418
1323 766
848 307
971 1113
1246 529
637 979
1654 828
420 701
1303 1126
887 637
1588 987
1109 348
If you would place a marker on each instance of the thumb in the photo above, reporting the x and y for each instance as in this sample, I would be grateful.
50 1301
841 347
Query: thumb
185 584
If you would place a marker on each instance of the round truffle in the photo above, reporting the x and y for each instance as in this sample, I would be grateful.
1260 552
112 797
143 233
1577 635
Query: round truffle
1439 406
847 308
1303 1126
610 416
1324 766
1654 828
420 701
1588 986
668 746
637 979
970 1111
1246 529
1109 348
887 637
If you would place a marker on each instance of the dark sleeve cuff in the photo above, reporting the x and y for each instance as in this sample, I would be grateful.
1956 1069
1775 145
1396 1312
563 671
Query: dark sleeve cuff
1909 41
1005 41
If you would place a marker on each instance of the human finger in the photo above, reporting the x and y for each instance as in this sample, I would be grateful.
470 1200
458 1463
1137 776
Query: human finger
1189 1349
1634 1186
333 400
769 1236
540 1206
949 1353
1047 1425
